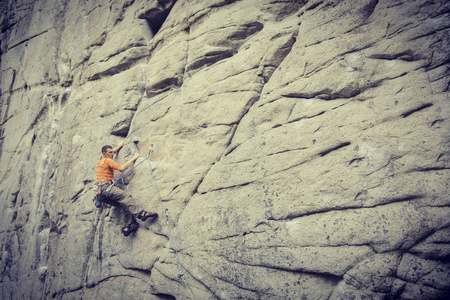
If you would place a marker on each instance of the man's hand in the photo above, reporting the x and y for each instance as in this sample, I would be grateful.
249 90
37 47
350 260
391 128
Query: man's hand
135 157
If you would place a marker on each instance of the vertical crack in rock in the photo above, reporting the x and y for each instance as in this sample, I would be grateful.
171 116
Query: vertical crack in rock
89 251
4 109
271 62
275 59
369 8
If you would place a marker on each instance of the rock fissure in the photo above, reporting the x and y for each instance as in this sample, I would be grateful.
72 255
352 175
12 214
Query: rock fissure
355 207
293 270
421 107
28 39
429 169
111 277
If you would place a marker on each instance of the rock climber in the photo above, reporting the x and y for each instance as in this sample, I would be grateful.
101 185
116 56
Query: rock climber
110 194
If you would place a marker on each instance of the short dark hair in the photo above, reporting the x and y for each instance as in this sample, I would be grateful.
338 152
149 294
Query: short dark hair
105 148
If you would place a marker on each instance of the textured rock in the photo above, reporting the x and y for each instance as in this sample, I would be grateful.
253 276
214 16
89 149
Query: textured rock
300 148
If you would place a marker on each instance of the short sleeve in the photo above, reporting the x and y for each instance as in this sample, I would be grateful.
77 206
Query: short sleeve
111 163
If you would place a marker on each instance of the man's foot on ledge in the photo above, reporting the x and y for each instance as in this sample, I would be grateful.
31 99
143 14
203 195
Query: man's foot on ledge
144 215
128 229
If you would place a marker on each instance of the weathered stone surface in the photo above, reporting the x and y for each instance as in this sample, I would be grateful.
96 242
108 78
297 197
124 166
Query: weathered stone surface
300 148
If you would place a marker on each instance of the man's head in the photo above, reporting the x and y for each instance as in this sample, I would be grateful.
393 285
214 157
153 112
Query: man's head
107 151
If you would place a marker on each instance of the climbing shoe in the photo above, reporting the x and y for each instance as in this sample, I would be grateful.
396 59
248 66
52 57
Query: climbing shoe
128 229
144 215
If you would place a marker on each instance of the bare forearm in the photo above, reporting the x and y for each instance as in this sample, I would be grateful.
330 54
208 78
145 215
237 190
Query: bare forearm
118 147
129 163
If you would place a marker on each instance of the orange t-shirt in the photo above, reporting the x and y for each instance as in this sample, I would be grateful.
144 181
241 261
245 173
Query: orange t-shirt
105 169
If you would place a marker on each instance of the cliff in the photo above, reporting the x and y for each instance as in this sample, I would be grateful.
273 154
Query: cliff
300 148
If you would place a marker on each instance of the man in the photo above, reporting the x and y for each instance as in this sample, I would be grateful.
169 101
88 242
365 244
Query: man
111 194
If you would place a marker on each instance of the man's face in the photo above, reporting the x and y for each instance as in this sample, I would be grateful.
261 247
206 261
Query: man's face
109 153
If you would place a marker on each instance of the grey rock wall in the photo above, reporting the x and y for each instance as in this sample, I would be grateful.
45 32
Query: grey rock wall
301 148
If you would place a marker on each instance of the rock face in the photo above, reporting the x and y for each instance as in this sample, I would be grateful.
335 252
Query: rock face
300 148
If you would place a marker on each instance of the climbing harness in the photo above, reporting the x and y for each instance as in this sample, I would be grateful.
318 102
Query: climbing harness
100 195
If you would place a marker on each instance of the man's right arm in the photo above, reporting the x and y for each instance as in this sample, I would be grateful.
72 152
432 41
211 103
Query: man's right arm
128 163
118 147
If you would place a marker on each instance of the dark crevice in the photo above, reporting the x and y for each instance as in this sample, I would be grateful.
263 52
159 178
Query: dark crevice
161 116
407 55
40 115
195 190
225 237
122 50
429 169
8 101
369 9
437 122
123 132
156 17
108 278
403 199
6 26
33 138
429 33
356 160
287 150
349 91
165 296
314 5
14 217
232 134
423 106
60 294
26 40
306 117
210 59
439 64
120 17
246 109
164 86
139 270
229 187
323 153
117 69
246 30
122 128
